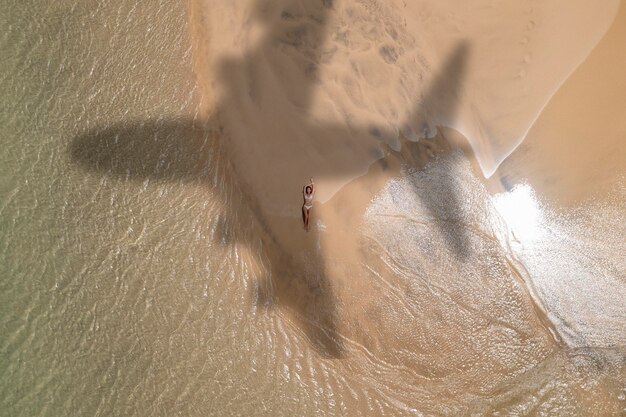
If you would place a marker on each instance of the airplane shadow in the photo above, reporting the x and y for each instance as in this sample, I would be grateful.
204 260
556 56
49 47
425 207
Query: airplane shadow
189 151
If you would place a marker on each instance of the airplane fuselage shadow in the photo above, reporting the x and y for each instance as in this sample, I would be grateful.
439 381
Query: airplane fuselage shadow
184 151
188 151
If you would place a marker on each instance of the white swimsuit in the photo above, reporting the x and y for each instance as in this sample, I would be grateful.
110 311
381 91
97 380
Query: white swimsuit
309 203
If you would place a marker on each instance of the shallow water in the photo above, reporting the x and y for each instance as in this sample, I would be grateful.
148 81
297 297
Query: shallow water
137 279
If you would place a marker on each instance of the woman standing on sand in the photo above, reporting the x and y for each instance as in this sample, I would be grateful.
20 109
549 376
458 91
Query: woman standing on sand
307 193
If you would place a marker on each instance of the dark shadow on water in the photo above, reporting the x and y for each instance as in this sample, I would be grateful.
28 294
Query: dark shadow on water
184 151
163 150
187 151
299 282
442 197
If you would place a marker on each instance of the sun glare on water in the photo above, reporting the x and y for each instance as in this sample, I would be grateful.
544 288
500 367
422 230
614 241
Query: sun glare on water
521 212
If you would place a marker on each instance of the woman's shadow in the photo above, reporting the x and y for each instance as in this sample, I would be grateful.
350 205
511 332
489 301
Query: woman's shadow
196 151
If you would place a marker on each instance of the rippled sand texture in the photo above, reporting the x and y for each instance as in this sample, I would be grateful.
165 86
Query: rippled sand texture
153 261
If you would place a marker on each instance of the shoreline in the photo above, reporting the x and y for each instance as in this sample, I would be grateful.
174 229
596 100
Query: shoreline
575 152
335 284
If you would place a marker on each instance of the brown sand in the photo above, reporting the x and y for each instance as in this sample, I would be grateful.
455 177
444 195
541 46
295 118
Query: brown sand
458 330
328 87
576 150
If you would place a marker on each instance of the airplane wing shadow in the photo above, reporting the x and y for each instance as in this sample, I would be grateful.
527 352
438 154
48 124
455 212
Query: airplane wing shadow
188 151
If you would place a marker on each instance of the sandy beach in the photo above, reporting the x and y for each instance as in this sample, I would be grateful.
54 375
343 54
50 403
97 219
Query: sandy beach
576 149
465 254
423 104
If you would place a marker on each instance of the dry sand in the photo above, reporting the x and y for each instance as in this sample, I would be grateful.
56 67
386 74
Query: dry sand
362 95
576 150
332 83
326 89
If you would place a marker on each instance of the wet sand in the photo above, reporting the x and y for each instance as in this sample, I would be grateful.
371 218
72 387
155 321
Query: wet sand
154 261
426 324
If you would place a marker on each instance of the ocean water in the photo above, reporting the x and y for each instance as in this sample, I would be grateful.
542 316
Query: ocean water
136 278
